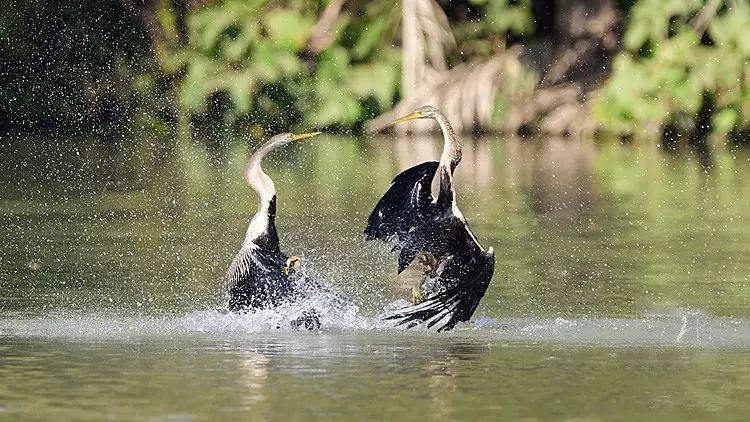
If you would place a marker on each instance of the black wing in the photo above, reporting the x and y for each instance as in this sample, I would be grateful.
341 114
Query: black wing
456 304
255 280
403 205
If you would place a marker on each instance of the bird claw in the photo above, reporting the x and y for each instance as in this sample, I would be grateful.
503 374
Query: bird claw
293 263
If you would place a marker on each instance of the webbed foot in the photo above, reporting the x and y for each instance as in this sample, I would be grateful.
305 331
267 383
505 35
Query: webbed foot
309 320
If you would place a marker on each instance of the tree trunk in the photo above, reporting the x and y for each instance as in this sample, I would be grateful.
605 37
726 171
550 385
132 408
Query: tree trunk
583 37
587 39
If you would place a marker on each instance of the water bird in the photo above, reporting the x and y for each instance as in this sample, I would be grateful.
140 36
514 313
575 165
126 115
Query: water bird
456 270
261 276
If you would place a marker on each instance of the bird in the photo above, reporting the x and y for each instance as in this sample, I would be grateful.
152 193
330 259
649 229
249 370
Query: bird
261 276
456 269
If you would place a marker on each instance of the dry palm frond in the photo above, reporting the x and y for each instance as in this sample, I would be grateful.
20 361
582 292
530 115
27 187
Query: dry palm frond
425 35
467 93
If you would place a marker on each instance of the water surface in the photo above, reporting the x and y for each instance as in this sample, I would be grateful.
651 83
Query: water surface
621 288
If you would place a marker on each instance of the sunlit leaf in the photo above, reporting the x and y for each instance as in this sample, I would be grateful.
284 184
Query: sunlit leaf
288 29
724 121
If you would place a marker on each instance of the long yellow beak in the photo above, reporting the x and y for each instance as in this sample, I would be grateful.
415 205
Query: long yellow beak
302 136
412 116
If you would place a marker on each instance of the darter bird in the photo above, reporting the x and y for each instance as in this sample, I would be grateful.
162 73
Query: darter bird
456 269
261 276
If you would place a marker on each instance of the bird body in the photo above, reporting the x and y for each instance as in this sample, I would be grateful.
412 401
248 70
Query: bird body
261 276
256 278
416 222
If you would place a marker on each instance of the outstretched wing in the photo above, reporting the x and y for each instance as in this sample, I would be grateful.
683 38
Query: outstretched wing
241 279
455 305
403 208
403 205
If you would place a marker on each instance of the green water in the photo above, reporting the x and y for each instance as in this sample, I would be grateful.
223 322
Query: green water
621 289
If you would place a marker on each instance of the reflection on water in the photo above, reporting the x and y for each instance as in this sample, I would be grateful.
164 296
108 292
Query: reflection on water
253 375
380 375
557 177
113 254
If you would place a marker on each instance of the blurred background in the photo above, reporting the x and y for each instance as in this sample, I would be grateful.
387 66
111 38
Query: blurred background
653 69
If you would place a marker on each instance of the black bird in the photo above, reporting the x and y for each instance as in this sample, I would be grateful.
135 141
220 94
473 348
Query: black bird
261 276
457 270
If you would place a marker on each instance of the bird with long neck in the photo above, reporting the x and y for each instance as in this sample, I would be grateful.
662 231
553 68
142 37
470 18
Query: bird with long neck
263 222
261 276
456 268
451 156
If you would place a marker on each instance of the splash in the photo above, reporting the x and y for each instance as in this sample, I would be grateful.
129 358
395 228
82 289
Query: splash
681 328
334 314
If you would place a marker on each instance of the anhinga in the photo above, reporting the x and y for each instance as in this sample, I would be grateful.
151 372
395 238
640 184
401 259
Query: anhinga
261 276
456 270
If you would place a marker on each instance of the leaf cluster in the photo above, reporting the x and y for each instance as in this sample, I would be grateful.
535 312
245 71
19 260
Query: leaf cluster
669 68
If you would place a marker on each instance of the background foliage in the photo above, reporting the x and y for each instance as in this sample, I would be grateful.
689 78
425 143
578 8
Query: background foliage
671 69
156 65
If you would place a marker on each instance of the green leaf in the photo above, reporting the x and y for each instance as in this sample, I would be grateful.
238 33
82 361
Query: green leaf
194 88
288 29
378 80
370 38
724 121
334 107
241 89
333 63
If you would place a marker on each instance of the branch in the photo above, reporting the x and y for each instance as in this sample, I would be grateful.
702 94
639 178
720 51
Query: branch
701 21
321 36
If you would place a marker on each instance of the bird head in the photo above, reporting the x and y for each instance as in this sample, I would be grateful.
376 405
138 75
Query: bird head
286 138
424 112
293 264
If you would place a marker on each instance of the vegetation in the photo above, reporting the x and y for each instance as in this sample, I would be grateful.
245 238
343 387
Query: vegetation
685 63
627 67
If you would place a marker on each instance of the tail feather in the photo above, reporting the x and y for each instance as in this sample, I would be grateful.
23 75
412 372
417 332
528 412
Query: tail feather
448 308
439 311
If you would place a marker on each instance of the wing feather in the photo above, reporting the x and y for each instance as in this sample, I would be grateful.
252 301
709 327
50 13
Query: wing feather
403 205
445 310
240 268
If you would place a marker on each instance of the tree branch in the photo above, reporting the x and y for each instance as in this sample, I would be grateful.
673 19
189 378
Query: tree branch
701 21
321 36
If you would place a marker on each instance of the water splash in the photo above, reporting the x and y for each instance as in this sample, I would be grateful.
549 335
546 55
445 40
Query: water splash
681 328
334 313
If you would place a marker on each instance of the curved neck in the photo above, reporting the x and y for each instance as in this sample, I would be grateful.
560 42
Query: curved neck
449 159
257 179
263 220
451 145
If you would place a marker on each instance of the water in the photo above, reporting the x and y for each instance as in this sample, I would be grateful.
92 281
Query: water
621 289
